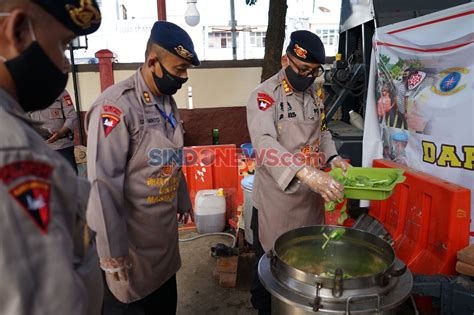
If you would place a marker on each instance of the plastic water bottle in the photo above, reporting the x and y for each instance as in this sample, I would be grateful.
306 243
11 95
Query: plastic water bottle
356 120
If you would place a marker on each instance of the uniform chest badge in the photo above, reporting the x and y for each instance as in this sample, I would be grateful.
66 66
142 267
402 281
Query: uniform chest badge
55 113
306 150
264 101
166 171
449 83
109 122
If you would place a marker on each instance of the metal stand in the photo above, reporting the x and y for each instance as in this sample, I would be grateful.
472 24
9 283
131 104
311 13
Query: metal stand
452 294
75 44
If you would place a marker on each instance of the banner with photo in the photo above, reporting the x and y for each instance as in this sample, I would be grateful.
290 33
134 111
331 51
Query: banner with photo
420 105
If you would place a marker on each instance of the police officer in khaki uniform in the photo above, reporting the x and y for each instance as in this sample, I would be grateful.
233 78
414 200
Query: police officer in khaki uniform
134 138
288 130
56 125
47 263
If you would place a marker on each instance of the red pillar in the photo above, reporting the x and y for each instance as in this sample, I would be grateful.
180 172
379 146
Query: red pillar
161 5
106 71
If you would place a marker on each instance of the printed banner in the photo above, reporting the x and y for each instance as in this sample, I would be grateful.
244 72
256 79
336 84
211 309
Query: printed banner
420 106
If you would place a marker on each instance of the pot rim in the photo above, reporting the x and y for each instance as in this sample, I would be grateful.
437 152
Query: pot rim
282 270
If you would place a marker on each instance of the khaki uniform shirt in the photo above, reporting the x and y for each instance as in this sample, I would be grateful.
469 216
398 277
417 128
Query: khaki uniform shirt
61 113
45 266
283 125
135 191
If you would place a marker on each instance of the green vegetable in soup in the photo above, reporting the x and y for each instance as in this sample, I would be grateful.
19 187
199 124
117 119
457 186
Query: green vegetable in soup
355 260
334 235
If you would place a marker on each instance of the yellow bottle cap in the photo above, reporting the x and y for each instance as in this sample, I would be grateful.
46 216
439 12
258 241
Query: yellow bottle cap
220 192
338 57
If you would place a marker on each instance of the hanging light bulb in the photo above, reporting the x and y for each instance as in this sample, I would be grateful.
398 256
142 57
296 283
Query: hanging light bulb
191 16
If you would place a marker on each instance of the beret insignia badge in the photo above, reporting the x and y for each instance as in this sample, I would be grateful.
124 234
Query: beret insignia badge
300 51
84 15
183 52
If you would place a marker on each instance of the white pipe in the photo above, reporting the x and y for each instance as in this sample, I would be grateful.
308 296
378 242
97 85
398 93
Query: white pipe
234 240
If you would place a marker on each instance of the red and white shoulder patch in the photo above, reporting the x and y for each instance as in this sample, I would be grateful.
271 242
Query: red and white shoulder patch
264 101
67 100
33 196
32 191
112 109
110 118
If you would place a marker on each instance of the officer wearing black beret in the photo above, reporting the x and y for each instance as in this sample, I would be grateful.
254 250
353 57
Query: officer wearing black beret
48 264
287 128
134 128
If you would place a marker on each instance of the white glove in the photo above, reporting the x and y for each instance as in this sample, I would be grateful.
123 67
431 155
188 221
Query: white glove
321 182
339 162
117 266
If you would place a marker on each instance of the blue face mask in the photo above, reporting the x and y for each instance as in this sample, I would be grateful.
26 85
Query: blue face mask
38 81
168 84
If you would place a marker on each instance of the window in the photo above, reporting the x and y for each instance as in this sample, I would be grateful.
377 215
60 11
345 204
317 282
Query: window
328 37
257 39
333 37
220 39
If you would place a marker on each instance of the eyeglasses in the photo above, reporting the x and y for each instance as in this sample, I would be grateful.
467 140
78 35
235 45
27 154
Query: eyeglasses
316 72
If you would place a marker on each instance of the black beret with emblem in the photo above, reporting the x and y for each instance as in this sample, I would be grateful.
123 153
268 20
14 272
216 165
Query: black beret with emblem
175 40
307 47
80 16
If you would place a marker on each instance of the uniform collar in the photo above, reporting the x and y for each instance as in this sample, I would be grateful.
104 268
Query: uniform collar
10 105
284 83
287 87
143 90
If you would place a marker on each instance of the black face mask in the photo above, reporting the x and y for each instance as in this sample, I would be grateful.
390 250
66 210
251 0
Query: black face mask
168 84
297 81
37 79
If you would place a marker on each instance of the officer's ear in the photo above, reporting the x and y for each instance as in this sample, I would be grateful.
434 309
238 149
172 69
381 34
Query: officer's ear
16 33
153 65
284 61
151 61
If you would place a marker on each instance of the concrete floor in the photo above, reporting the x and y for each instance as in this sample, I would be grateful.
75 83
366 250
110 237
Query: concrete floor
198 292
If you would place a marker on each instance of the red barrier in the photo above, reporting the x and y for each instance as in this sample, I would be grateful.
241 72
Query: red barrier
428 219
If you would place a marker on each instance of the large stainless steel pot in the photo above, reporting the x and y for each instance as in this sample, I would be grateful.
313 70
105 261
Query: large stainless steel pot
378 282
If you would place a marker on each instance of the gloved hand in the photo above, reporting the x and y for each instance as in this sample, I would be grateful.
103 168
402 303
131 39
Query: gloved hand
118 266
339 162
321 182
183 217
